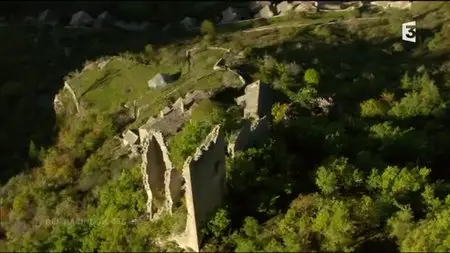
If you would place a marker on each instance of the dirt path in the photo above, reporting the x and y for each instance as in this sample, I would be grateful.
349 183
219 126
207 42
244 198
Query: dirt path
294 25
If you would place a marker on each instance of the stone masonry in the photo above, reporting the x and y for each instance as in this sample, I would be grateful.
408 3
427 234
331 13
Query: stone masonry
161 181
257 102
202 178
204 173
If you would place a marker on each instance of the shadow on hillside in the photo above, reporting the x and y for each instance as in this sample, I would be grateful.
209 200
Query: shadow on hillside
33 66
352 72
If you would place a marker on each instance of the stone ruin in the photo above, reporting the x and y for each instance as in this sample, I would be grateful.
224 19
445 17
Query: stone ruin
201 181
204 175
257 103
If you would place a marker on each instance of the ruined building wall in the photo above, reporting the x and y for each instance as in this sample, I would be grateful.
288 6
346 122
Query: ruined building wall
249 134
204 175
156 171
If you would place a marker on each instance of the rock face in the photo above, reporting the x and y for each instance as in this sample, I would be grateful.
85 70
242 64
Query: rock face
159 80
204 175
81 19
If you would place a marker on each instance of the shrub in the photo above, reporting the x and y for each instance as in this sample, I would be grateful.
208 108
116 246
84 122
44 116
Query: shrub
312 76
306 94
208 28
397 47
149 49
373 108
248 51
279 112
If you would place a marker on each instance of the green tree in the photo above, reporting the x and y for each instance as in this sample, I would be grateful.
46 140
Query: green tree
338 175
219 223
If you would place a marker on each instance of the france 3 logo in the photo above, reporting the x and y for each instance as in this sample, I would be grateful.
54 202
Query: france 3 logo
409 31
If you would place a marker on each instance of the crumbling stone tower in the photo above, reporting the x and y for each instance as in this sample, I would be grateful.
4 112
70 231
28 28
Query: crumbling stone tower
204 173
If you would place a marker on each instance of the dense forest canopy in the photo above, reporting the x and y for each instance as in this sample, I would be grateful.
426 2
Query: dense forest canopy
367 172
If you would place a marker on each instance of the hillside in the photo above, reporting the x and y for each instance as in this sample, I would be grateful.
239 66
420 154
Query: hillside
307 132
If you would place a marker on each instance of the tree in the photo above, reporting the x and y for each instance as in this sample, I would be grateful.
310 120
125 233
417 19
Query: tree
431 234
219 223
338 175
312 76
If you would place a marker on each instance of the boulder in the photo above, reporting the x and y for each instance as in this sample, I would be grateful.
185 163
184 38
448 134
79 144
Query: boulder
305 6
130 138
256 6
159 81
81 19
232 14
106 19
188 23
47 17
400 4
266 12
284 7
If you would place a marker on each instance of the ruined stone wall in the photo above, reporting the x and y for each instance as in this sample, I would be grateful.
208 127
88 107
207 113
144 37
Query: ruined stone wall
249 134
156 171
204 175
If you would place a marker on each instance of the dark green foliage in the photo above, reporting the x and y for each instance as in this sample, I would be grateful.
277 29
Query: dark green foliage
370 174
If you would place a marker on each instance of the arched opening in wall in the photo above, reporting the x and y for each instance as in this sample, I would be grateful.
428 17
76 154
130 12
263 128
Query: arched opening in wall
155 170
